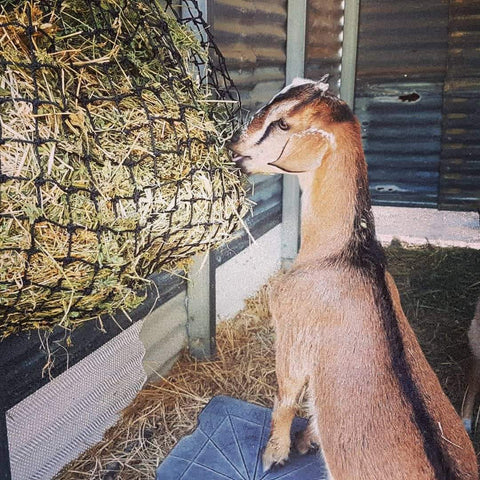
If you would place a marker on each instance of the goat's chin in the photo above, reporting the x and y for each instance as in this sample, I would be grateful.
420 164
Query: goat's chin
249 167
241 164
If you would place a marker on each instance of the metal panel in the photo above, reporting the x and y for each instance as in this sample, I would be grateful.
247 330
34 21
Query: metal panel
401 41
266 214
349 51
61 420
402 52
460 162
324 40
252 37
402 141
295 67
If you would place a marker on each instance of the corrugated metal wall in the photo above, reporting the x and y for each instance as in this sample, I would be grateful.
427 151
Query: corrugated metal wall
323 42
252 37
460 160
418 99
400 70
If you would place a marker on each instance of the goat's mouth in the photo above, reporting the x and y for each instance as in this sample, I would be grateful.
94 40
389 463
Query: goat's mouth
240 160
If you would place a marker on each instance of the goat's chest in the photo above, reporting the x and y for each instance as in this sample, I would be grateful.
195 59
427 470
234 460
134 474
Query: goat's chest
322 297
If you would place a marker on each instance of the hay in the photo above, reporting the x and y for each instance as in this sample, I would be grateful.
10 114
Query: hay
438 286
113 163
164 412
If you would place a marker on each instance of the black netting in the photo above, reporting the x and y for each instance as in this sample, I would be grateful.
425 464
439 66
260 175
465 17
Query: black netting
113 120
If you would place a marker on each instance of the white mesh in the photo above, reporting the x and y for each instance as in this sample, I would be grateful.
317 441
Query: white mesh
71 413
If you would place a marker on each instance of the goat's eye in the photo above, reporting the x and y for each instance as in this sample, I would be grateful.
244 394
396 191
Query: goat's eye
282 124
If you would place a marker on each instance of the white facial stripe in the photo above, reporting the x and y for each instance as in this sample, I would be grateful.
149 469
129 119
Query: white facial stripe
295 83
274 114
321 85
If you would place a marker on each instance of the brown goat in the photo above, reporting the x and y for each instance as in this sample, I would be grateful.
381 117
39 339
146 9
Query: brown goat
377 409
474 375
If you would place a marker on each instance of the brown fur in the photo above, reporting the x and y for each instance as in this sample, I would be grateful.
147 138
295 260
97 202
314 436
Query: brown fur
377 408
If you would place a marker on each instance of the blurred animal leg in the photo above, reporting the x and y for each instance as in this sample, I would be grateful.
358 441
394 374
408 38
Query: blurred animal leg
278 446
307 439
472 390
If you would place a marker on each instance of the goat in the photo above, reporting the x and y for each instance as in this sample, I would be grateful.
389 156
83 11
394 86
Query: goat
474 375
376 408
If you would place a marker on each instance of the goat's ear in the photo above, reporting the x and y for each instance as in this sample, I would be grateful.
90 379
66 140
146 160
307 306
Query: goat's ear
299 81
322 84
306 151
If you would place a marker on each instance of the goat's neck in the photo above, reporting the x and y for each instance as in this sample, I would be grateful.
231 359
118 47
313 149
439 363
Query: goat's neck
330 204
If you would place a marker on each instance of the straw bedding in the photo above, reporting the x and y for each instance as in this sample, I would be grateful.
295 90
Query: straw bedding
113 163
164 412
439 288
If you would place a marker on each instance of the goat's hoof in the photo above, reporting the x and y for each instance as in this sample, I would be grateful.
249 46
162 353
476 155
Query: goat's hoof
275 454
304 443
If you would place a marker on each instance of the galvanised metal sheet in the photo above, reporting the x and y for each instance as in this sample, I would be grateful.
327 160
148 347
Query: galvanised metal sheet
402 53
401 41
323 43
252 37
460 160
401 132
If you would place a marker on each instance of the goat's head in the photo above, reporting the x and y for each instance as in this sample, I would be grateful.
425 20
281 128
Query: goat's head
294 132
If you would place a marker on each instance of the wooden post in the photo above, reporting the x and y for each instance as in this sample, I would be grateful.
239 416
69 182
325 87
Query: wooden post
349 51
201 312
295 67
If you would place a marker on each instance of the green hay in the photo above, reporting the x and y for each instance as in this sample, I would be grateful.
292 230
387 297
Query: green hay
67 256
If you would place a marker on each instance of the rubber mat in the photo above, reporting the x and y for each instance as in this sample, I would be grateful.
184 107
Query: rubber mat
228 444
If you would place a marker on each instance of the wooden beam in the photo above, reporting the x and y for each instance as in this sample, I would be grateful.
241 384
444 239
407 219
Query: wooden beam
349 51
201 311
295 67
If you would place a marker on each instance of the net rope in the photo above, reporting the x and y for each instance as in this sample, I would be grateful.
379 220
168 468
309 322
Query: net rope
119 140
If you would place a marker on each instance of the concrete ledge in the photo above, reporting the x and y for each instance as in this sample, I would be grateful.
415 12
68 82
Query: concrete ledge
243 275
164 334
418 226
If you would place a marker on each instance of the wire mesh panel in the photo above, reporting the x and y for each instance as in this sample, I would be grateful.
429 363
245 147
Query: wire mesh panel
113 120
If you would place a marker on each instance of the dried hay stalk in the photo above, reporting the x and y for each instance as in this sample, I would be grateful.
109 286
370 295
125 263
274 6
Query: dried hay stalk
164 412
112 158
439 289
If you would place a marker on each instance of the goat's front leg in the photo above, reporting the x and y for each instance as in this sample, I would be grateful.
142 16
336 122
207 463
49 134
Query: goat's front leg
278 446
307 439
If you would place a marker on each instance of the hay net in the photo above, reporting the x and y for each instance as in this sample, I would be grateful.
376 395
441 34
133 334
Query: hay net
114 116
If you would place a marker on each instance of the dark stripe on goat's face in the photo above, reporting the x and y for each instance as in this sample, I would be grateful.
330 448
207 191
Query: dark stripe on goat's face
266 133
365 254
